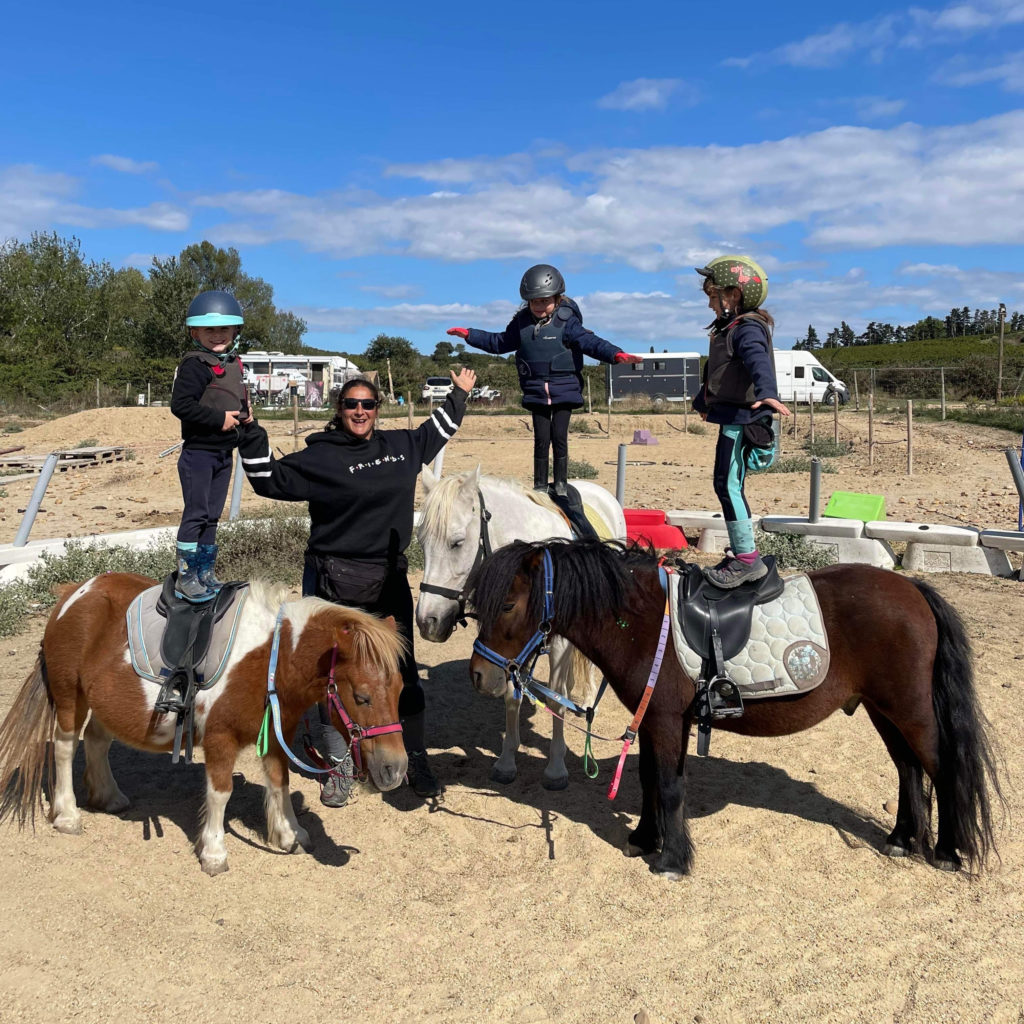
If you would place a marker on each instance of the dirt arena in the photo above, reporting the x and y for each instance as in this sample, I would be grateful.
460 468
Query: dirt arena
512 904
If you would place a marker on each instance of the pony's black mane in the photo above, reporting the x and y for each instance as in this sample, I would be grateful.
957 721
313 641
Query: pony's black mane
593 578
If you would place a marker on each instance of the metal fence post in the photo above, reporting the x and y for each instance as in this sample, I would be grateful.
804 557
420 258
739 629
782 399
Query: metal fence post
21 539
620 477
236 487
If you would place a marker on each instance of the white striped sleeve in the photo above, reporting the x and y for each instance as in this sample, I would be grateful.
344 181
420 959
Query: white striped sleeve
443 422
258 466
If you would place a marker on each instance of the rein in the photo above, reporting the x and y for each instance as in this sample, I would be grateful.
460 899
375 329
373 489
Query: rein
272 712
520 670
483 550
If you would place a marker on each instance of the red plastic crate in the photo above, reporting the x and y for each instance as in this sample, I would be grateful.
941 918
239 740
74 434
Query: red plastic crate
644 516
661 536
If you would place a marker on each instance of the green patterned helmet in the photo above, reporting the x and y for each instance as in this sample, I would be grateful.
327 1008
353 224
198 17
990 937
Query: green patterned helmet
738 272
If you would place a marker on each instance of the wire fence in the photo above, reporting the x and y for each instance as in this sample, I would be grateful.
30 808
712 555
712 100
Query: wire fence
971 382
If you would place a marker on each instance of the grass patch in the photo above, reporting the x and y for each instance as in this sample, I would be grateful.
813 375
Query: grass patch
580 469
798 464
1001 418
793 551
88 442
696 428
579 425
13 428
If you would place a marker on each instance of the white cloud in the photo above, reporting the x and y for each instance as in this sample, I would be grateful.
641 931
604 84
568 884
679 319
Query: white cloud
647 94
877 108
1007 71
912 27
670 207
125 164
32 199
391 291
452 171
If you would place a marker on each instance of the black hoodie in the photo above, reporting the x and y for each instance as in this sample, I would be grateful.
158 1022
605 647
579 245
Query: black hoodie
360 493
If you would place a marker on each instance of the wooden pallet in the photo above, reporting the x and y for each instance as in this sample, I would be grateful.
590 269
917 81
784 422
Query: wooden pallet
72 458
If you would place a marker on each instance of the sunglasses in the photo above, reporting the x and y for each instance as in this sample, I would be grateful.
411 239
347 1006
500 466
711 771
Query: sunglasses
369 404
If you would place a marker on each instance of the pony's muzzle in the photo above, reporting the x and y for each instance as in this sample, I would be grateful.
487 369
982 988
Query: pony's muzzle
387 772
487 679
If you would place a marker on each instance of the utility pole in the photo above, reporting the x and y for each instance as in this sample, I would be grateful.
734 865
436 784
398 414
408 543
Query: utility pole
999 381
391 386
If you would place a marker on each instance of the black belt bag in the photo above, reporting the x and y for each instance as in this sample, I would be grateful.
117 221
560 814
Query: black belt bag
349 580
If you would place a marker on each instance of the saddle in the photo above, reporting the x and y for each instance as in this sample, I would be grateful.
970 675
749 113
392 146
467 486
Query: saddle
571 505
716 624
184 644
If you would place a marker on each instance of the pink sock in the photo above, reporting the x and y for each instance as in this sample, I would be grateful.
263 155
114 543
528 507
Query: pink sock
748 558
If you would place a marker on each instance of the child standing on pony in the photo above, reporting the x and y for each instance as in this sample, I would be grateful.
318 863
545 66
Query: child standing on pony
549 339
740 394
210 399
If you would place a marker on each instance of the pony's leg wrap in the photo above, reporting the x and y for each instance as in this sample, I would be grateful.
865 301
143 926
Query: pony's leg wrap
556 775
283 828
504 770
64 812
103 791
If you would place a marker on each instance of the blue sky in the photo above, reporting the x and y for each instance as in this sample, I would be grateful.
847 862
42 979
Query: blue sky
396 167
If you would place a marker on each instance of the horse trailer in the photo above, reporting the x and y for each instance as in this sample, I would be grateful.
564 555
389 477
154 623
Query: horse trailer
661 378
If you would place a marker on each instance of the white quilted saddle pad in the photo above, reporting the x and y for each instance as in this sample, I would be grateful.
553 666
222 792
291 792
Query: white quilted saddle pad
787 651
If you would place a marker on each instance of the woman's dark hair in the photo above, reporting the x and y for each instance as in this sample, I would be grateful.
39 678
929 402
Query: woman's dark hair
736 294
350 385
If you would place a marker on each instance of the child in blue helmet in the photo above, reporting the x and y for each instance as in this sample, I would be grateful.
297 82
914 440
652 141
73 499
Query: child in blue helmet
740 394
550 341
210 399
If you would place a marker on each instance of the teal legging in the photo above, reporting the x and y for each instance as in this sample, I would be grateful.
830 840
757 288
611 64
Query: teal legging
730 476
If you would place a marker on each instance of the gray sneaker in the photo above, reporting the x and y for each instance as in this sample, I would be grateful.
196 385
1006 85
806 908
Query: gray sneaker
731 572
423 781
337 787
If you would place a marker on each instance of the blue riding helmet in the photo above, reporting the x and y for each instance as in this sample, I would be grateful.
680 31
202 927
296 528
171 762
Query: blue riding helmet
214 309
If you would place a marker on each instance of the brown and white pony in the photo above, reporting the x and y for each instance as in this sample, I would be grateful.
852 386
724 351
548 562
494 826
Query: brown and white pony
84 670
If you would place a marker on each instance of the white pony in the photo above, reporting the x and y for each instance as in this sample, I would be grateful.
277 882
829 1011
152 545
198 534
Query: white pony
464 518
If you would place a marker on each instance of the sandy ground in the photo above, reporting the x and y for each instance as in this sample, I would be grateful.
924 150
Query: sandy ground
511 903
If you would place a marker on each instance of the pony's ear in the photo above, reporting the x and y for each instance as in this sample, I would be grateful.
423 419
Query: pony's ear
472 481
390 622
428 478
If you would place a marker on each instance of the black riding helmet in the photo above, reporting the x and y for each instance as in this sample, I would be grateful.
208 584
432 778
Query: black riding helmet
215 309
541 282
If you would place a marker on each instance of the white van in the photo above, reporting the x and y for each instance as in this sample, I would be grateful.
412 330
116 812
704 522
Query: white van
801 378
436 389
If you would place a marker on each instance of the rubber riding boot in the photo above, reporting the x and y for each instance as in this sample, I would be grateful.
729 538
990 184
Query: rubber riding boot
540 473
207 559
561 475
423 781
188 586
732 572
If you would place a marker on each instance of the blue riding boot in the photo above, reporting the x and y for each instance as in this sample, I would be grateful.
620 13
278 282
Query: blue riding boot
207 559
188 586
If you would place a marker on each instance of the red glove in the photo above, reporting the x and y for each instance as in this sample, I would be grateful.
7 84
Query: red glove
459 332
622 357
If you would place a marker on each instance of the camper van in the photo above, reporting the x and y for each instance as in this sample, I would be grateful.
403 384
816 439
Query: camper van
801 378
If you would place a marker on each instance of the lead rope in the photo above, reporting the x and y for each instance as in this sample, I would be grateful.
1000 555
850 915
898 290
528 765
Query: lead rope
630 734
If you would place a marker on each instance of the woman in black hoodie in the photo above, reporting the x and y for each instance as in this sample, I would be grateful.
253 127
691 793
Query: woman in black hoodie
360 483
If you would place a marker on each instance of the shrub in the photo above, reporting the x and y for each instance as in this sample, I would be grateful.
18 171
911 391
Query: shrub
793 551
828 447
798 464
696 428
580 469
578 425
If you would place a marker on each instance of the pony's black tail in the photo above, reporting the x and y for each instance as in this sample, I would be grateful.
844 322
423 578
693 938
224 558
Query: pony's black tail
967 763
25 752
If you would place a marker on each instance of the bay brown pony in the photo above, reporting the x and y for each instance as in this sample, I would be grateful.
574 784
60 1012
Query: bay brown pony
897 648
84 668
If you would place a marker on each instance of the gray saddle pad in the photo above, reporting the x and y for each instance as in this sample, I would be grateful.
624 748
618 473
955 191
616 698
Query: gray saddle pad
146 628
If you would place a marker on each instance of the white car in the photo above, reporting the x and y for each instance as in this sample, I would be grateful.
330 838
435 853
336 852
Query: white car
436 389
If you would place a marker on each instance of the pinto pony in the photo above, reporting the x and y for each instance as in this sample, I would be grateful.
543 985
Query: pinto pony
84 667
897 648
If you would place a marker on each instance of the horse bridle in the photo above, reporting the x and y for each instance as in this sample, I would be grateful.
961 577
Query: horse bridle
520 668
357 733
483 550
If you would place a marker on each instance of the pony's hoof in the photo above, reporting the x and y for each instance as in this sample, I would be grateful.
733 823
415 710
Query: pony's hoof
632 850
115 805
671 876
215 867
947 862
501 776
562 782
67 825
893 850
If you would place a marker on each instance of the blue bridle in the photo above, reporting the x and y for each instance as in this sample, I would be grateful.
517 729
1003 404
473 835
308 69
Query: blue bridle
520 668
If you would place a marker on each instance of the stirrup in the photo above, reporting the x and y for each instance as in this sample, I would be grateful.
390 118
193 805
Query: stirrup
724 700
